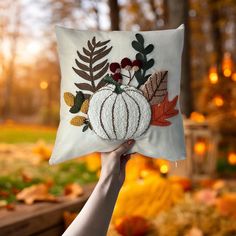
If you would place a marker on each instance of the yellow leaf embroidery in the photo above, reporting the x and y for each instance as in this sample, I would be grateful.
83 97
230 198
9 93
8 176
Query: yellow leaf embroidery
69 99
77 120
85 106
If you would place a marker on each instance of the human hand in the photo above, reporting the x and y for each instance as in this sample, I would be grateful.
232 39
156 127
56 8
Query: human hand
114 163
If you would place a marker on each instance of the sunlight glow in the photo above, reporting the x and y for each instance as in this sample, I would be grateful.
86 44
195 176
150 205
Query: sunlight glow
43 85
218 101
213 76
164 169
232 158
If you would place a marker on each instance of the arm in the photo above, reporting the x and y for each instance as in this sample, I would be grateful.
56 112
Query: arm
94 218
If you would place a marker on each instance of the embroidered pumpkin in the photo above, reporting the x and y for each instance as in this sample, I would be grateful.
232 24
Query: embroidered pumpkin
118 113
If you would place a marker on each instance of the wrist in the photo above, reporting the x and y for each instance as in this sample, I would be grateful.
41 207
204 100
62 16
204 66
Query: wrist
109 182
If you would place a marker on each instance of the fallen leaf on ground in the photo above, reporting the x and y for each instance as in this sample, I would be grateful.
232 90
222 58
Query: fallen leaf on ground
26 177
38 192
73 191
10 207
4 194
3 203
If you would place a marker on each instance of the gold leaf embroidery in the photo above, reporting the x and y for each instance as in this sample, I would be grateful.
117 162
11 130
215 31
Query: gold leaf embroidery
69 99
85 106
78 120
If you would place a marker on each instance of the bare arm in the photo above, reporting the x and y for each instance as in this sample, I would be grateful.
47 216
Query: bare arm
94 218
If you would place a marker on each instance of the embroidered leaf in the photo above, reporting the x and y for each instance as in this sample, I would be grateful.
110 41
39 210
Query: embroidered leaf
78 120
69 99
100 65
100 84
88 124
139 38
100 44
86 68
78 101
81 65
94 41
149 49
86 52
100 50
140 57
90 46
163 111
101 55
83 58
85 128
149 64
101 73
155 87
82 74
143 51
85 106
137 46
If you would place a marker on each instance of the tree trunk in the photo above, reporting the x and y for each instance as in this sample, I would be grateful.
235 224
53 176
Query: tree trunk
7 108
217 39
177 15
114 14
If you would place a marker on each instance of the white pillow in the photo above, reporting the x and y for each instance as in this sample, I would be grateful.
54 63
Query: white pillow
119 85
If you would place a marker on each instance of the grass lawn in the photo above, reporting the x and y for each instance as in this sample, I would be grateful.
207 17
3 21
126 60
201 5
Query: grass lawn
15 133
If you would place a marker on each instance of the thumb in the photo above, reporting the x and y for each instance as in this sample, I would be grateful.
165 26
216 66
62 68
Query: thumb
123 148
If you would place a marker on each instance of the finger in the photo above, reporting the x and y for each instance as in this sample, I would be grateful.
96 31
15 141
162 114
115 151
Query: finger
122 149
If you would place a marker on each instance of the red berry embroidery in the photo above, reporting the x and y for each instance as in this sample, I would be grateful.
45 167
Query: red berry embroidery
117 77
126 63
115 67
137 63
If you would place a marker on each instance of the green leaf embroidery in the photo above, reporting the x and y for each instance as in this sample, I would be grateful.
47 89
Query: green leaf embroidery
85 128
139 38
142 54
86 68
149 49
137 46
78 101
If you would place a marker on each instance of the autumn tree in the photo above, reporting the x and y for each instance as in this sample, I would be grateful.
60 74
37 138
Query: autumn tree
10 33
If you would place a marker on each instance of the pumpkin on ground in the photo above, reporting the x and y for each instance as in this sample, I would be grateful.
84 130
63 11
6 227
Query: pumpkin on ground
118 113
146 197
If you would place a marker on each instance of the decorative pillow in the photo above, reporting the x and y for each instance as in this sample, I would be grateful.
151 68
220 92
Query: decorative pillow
116 86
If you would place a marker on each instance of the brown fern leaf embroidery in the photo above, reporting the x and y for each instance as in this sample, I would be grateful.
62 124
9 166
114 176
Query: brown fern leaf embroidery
155 88
93 65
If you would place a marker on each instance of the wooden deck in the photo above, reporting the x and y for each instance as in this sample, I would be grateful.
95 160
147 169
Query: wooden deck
40 219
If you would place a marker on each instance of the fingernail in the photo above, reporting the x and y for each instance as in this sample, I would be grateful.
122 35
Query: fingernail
131 141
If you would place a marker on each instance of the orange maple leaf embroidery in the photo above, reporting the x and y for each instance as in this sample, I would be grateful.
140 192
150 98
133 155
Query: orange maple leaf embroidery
163 111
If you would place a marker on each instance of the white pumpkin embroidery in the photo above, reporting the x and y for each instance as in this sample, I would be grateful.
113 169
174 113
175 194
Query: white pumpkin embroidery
119 116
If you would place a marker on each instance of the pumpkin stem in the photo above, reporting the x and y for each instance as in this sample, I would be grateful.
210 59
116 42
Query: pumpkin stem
110 80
